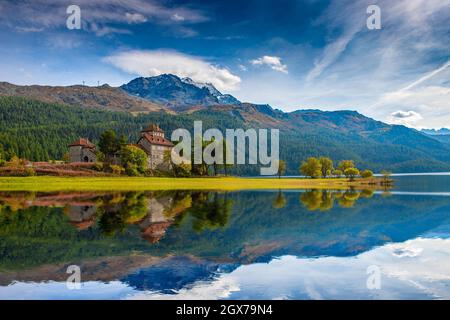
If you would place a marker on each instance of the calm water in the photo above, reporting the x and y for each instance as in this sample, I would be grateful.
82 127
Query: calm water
235 245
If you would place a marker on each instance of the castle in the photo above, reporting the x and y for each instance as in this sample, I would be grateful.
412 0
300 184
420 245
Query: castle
152 141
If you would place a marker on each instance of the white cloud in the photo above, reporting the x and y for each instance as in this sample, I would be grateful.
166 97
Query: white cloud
330 54
135 18
220 288
272 62
427 76
348 18
96 14
379 72
429 97
177 17
406 118
153 63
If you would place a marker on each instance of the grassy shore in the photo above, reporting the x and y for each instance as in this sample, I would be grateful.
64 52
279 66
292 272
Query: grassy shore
52 184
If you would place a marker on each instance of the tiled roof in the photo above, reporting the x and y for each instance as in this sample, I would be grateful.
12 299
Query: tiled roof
157 140
83 142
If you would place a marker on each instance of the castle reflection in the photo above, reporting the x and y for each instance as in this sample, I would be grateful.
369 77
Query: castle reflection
152 212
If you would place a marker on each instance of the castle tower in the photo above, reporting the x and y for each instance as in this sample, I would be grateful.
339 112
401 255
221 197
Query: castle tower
154 130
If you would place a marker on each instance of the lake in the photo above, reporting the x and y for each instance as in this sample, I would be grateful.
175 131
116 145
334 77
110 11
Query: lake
297 244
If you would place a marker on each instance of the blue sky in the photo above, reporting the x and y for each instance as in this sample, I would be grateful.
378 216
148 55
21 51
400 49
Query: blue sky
290 54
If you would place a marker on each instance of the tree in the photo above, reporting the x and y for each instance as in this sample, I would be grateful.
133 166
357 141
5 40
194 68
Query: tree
281 168
327 166
311 168
179 170
66 157
337 173
386 176
2 161
351 173
134 160
226 151
108 143
200 169
366 174
346 164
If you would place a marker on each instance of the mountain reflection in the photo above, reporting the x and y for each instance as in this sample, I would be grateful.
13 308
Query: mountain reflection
237 227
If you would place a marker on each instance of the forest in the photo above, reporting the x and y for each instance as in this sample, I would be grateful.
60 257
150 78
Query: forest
39 131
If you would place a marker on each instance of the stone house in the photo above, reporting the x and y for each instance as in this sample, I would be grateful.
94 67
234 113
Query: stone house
82 150
155 145
152 141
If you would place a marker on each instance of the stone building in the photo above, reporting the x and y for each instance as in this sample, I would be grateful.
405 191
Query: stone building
82 150
155 145
151 140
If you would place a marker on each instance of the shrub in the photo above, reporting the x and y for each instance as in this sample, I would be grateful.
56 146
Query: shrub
132 170
366 174
134 159
182 170
116 169
29 172
351 173
337 173
98 166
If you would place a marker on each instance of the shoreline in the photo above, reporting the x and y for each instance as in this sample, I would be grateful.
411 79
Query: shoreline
54 184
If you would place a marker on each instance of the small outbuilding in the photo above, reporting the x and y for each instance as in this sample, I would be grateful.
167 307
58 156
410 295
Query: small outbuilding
82 150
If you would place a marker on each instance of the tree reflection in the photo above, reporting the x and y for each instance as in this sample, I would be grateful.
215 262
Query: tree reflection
155 212
209 211
118 211
280 201
323 200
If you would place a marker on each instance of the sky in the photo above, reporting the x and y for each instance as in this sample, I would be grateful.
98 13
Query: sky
291 54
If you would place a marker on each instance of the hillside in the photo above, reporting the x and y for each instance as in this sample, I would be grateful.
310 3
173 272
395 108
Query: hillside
103 97
340 134
442 135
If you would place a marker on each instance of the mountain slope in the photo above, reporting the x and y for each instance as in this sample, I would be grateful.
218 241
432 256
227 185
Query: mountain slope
104 97
173 92
340 134
442 135
442 131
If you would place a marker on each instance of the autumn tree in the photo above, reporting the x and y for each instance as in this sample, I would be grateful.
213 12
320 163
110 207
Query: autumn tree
346 164
337 173
366 174
311 168
351 173
327 166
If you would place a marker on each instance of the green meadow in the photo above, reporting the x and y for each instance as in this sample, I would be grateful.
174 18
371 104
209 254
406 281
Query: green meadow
53 184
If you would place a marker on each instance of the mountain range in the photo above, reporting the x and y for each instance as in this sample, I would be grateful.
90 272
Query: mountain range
439 132
174 102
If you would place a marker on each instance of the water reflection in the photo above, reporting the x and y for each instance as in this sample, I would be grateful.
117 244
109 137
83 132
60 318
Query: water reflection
324 200
152 212
168 242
